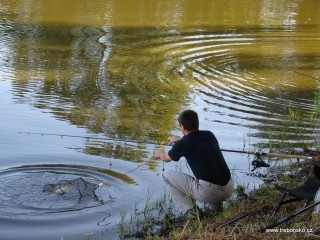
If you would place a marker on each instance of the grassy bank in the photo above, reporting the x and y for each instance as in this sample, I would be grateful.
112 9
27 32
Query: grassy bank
254 211
157 219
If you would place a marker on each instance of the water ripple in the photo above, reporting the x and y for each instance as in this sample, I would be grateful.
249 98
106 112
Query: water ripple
252 76
23 194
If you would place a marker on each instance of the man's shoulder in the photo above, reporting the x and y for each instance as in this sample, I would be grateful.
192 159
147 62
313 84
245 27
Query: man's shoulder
199 134
206 133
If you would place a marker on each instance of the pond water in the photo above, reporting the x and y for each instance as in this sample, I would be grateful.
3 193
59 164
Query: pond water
103 83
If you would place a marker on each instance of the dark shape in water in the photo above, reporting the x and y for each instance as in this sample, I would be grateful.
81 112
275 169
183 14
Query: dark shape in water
77 187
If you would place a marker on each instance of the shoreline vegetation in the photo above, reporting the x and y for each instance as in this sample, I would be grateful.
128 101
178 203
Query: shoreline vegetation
246 214
243 217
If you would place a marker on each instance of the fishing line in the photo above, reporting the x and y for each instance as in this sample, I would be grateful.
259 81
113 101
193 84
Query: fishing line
126 173
303 74
84 188
257 163
94 138
315 78
152 159
59 185
297 72
80 187
162 145
280 155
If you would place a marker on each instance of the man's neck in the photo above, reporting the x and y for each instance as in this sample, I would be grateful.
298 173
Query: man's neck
186 132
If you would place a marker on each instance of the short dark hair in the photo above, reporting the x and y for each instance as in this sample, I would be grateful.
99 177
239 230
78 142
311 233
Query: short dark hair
189 120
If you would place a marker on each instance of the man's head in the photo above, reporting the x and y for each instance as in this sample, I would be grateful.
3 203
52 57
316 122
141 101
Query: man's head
189 120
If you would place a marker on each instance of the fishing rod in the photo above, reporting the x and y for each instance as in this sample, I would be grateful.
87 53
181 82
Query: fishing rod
107 183
232 220
303 74
163 144
93 138
270 154
139 166
290 216
104 139
273 225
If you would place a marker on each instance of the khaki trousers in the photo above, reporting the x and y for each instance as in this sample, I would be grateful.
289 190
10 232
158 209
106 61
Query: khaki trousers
181 185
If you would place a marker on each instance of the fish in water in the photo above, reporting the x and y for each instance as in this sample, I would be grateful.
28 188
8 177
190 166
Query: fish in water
59 189
79 184
103 184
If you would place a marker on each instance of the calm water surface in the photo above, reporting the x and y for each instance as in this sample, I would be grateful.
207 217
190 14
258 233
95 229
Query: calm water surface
124 70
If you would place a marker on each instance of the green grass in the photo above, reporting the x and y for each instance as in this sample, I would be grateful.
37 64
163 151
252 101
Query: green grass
259 204
157 219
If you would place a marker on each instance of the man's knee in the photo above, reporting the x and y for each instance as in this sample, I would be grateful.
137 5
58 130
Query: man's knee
167 175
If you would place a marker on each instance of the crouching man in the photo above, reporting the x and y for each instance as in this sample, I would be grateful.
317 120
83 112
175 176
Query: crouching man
212 182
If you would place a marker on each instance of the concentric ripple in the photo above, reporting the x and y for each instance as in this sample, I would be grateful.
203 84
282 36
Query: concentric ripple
243 77
22 189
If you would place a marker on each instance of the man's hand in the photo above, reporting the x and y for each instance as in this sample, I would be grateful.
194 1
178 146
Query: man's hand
173 139
157 154
162 155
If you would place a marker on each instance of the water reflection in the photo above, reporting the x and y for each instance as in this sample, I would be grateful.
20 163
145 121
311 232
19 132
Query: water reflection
126 74
129 83
25 195
125 69
174 13
85 82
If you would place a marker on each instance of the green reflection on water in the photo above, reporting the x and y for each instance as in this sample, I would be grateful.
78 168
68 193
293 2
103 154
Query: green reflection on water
126 68
120 95
173 13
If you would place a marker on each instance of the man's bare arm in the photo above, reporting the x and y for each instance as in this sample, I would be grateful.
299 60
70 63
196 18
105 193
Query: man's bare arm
162 155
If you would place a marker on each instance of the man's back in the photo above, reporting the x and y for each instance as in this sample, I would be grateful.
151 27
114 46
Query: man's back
202 151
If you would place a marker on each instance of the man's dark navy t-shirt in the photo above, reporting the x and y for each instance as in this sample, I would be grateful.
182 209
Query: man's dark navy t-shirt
203 154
